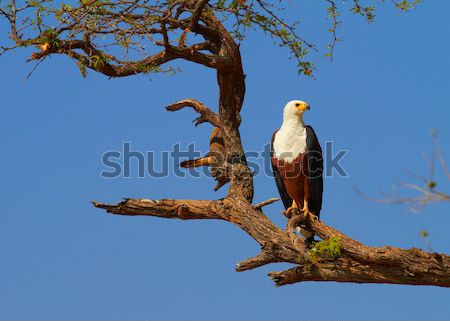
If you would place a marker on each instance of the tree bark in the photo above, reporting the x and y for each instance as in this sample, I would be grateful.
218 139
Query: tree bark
357 263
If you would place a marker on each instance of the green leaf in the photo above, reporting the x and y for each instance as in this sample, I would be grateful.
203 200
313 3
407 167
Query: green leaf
431 185
424 233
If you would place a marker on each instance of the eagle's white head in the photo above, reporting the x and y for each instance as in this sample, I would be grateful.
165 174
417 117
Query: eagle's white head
295 109
290 139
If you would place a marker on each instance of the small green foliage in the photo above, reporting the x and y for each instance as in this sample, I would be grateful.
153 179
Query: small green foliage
51 37
424 233
66 7
305 67
367 12
98 61
32 3
82 68
431 185
266 17
145 68
122 29
151 68
327 248
406 5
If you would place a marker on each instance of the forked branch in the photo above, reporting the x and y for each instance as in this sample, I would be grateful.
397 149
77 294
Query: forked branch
357 262
206 114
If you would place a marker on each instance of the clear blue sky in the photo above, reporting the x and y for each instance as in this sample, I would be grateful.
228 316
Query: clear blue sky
63 259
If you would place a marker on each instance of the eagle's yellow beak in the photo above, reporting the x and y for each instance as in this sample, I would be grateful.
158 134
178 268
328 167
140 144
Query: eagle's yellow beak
301 107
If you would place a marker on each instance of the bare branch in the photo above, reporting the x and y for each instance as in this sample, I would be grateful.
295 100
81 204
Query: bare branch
266 202
181 209
427 190
261 259
265 6
438 152
206 114
165 36
357 263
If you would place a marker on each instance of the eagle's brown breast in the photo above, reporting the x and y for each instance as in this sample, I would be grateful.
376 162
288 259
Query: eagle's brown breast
295 177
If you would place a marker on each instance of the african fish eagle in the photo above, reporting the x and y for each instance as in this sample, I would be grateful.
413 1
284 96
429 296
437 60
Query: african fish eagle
297 163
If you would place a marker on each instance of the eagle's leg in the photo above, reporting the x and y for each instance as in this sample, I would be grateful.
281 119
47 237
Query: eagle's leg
294 207
306 212
301 228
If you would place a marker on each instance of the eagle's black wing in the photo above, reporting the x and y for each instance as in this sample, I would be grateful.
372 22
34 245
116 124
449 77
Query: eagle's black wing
287 200
315 165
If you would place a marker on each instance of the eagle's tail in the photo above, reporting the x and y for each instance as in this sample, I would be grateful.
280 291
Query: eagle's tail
203 161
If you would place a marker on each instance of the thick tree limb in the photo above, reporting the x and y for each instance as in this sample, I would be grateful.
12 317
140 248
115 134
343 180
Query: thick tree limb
181 209
358 263
356 272
131 68
237 211
198 8
415 261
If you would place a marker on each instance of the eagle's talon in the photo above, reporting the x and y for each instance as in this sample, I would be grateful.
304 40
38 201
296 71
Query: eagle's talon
312 217
308 215
291 210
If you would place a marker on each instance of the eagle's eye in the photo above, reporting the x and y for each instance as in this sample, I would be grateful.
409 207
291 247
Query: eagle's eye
297 104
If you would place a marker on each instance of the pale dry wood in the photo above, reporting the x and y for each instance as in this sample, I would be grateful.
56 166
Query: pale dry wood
266 202
179 209
358 263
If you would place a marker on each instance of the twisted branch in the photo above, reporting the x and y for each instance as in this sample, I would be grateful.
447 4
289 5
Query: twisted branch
358 263
206 114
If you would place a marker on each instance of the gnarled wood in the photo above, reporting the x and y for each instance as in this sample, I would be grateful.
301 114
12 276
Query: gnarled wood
358 263
206 114
357 272
181 209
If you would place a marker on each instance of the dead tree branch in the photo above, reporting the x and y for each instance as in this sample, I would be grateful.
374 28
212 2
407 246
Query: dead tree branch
266 202
206 114
428 189
357 263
